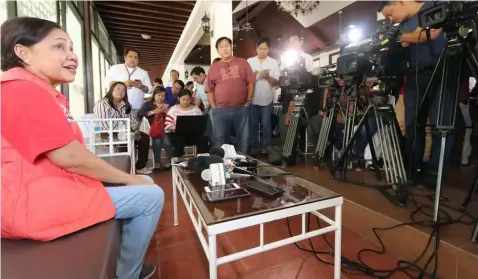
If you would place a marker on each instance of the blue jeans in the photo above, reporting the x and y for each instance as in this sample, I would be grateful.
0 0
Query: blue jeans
224 120
140 206
262 115
158 145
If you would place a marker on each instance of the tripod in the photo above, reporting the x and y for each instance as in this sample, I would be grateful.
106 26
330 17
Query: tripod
466 204
450 64
328 124
290 145
388 132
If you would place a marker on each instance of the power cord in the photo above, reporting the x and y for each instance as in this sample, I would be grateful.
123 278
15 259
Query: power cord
404 266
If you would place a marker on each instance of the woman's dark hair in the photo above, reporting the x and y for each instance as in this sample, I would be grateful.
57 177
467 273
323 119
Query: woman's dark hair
157 90
109 97
128 49
26 31
180 82
222 39
217 59
158 80
189 83
184 92
263 41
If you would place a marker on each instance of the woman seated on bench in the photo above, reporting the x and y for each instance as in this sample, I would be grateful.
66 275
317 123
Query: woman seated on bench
115 105
184 108
51 184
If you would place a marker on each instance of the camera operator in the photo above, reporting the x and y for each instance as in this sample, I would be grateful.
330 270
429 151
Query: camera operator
295 49
423 57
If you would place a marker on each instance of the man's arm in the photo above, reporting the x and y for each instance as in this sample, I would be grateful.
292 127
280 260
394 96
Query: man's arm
75 158
211 100
148 87
419 37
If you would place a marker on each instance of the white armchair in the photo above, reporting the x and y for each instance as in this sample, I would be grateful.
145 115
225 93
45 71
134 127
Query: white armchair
92 129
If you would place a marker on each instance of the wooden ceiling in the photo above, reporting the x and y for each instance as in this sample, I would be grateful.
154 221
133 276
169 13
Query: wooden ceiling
164 21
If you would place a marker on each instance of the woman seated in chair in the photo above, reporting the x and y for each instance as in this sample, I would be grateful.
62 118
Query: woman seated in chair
115 105
51 183
155 111
184 108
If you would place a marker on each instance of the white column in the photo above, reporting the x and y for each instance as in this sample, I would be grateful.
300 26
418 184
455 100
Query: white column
191 34
220 14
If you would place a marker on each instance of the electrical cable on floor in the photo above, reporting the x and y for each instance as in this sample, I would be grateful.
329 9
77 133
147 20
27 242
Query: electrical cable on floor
404 266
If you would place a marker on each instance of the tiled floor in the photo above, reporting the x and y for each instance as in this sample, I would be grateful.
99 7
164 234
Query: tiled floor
179 255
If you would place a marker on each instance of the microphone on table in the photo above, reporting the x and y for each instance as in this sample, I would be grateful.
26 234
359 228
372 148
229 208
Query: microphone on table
206 175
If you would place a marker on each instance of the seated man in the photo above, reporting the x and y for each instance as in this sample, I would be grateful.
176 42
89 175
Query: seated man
51 183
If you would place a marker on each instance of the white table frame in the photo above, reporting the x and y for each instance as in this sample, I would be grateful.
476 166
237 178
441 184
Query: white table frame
210 246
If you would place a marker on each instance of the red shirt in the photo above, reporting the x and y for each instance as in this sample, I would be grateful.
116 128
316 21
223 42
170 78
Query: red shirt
39 199
229 82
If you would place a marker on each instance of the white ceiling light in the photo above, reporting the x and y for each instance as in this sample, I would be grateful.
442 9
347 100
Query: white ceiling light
146 36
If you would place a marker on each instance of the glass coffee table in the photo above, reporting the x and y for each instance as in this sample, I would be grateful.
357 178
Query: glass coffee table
300 197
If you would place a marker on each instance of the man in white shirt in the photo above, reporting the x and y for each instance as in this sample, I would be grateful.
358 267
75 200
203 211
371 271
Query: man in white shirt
136 79
267 72
138 84
199 76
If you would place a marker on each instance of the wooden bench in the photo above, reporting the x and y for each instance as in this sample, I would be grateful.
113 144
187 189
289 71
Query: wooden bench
91 253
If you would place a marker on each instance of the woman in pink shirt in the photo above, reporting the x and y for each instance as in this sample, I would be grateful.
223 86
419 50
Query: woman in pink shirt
51 184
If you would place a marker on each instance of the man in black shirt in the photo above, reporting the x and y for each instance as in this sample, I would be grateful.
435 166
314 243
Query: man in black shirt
423 57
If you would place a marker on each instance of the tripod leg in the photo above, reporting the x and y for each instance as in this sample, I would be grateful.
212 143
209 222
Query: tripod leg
345 152
471 194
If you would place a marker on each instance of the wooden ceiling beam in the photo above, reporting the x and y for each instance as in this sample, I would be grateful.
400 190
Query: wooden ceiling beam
171 6
254 12
118 23
136 35
136 17
315 39
127 7
126 37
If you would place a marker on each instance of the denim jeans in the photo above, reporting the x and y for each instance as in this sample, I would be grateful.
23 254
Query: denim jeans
224 120
415 135
158 145
140 206
262 115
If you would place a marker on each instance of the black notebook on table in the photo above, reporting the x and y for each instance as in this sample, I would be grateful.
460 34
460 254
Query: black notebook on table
191 124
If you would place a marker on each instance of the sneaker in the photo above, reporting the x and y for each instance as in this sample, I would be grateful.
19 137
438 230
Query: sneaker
147 271
144 171
166 166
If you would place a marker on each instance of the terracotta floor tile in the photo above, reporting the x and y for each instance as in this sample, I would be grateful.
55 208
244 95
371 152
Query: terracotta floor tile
187 260
249 238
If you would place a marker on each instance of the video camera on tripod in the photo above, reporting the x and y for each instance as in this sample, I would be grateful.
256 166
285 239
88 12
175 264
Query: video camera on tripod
375 65
459 21
295 74
375 56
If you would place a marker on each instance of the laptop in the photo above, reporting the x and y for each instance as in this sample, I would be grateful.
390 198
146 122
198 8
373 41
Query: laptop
191 124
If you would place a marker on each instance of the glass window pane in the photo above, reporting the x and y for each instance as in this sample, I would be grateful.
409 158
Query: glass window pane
76 88
102 73
42 9
102 37
92 19
96 69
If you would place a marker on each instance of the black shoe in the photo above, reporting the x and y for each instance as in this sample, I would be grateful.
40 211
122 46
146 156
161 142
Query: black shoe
147 271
